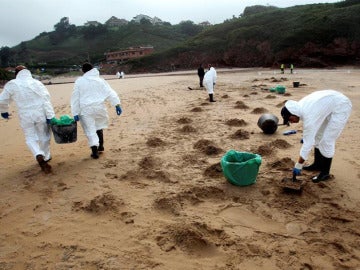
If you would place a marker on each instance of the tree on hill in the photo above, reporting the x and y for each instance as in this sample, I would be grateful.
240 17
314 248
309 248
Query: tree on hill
5 56
257 9
63 30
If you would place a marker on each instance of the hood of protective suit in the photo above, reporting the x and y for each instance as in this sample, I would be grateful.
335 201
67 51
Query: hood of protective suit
92 73
293 107
24 74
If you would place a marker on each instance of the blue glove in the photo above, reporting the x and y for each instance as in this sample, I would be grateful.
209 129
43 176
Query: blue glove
5 115
118 109
48 121
76 118
297 169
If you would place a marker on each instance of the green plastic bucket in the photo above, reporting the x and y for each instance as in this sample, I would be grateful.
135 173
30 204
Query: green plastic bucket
280 89
240 168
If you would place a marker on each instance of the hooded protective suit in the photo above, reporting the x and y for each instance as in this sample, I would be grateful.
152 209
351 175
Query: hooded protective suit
324 115
209 80
34 107
88 101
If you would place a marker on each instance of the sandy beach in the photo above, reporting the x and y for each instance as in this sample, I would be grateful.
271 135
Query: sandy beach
157 198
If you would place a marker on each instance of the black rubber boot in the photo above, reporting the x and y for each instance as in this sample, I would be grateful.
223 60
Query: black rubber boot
101 140
211 98
94 152
316 164
45 167
325 170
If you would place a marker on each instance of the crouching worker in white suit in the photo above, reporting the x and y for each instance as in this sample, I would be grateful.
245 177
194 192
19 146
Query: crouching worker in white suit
88 106
324 115
35 113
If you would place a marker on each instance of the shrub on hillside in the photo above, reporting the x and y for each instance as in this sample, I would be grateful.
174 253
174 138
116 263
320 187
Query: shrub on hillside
5 75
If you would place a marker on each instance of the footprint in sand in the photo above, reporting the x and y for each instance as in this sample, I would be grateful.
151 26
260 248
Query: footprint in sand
197 109
207 147
264 150
109 163
241 135
168 205
241 105
259 110
236 122
187 129
195 239
111 176
100 204
148 162
155 142
214 171
184 120
282 164
281 144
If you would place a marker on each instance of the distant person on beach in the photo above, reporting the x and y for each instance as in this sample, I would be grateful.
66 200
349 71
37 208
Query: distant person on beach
282 68
35 113
118 75
201 74
291 68
210 81
88 106
324 115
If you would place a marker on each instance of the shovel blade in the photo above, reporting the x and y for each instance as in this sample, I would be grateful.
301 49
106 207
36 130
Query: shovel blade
290 185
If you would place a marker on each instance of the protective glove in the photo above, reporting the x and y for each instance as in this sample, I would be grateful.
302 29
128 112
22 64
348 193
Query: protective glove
48 121
5 115
118 109
76 118
297 169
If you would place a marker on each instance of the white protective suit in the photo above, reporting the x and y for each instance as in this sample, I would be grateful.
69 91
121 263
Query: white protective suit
88 102
324 115
210 80
34 107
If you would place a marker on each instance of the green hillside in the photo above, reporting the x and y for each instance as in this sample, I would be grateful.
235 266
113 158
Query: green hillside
308 35
316 35
71 45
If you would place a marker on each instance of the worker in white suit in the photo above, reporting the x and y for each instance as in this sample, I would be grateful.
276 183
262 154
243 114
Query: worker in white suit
88 106
35 112
210 81
324 115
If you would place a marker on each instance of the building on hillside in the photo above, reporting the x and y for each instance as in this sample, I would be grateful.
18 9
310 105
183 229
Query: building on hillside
157 20
94 23
206 23
138 18
114 22
154 20
130 53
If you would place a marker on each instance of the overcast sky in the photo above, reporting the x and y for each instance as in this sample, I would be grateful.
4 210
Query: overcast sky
22 20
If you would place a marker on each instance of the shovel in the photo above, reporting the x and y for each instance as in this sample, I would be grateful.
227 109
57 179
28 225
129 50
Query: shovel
292 185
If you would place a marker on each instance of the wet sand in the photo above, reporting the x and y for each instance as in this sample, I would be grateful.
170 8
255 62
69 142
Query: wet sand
157 198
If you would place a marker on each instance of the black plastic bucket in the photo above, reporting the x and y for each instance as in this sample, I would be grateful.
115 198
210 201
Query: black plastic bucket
268 123
296 84
65 134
